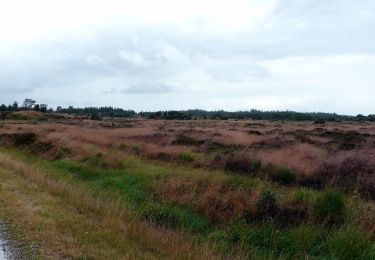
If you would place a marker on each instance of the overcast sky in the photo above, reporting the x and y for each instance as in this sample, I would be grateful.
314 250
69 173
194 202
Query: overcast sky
305 55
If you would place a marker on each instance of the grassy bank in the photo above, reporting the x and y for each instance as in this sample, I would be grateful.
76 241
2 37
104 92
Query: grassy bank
146 210
65 217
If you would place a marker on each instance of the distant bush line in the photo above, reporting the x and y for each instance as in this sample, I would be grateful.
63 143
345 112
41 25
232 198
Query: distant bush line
96 113
317 117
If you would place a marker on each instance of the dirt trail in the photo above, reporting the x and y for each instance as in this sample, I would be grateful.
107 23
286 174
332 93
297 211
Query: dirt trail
8 248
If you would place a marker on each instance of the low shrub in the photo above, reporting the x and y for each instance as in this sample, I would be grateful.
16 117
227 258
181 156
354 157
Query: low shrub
267 206
330 207
314 182
41 147
182 139
254 132
159 156
242 164
187 156
350 174
96 117
256 165
366 189
346 140
220 148
21 139
135 149
284 215
123 147
319 121
130 147
246 184
285 176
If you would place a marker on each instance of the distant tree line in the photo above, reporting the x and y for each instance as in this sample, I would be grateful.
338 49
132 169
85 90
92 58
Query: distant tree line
255 114
94 112
28 104
99 112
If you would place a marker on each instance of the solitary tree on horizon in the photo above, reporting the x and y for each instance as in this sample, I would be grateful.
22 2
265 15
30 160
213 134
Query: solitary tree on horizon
28 103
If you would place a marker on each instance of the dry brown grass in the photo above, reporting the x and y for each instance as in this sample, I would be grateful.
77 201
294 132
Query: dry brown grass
66 220
302 146
300 157
29 113
217 200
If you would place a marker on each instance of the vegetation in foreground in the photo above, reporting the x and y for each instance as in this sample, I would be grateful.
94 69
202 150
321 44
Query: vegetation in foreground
115 201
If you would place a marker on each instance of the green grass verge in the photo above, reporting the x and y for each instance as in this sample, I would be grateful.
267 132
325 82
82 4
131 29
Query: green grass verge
135 182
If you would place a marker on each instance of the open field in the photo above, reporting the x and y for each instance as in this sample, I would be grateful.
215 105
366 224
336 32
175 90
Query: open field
188 189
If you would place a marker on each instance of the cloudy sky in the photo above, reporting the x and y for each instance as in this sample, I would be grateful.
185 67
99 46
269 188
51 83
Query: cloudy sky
306 55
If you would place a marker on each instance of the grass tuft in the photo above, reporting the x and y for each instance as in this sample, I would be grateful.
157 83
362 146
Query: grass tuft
187 156
285 176
330 207
173 216
349 243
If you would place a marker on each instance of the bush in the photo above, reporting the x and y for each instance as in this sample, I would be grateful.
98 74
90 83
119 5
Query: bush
41 147
267 206
352 173
242 165
256 165
23 138
95 117
222 148
254 132
285 176
330 206
182 139
135 149
187 156
314 182
123 147
350 244
319 121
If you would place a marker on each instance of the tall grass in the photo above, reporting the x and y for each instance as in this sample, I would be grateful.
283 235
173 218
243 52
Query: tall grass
134 184
180 199
330 206
84 222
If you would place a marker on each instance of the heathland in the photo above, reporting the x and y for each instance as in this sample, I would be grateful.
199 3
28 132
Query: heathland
113 188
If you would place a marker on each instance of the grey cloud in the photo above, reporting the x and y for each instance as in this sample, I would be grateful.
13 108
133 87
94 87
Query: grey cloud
122 58
301 28
147 88
309 27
